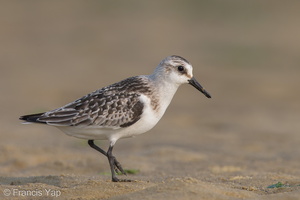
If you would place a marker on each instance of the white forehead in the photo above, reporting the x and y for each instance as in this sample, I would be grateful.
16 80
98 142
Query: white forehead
171 64
168 69
176 61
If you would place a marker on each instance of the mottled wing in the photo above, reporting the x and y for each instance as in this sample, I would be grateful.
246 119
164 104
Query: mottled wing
114 106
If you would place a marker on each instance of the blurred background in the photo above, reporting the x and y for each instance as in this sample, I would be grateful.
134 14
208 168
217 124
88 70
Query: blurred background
245 53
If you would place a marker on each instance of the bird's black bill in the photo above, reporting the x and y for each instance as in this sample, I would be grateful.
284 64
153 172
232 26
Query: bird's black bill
197 85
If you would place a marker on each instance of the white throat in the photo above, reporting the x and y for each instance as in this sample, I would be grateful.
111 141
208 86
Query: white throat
165 92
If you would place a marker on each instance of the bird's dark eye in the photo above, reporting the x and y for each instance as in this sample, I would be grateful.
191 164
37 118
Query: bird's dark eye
180 68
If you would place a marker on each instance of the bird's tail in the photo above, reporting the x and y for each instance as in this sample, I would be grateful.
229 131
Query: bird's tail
33 118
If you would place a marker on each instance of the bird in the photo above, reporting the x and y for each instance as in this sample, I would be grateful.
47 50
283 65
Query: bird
124 109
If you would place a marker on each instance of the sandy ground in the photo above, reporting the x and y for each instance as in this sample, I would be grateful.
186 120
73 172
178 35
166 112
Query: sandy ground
241 144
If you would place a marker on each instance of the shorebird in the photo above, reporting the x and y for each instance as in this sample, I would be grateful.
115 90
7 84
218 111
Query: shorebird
124 109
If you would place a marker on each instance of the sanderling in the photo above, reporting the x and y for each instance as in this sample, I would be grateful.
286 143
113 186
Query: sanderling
128 108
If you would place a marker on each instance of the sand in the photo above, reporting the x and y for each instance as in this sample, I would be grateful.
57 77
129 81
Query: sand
241 144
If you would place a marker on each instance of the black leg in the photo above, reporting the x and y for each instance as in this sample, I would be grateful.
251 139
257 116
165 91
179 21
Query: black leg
111 160
115 166
92 144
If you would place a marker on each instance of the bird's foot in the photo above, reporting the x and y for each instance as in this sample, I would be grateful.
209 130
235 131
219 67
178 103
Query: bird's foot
115 179
118 167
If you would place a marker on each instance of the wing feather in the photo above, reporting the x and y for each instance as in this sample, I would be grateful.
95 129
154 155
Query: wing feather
115 106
